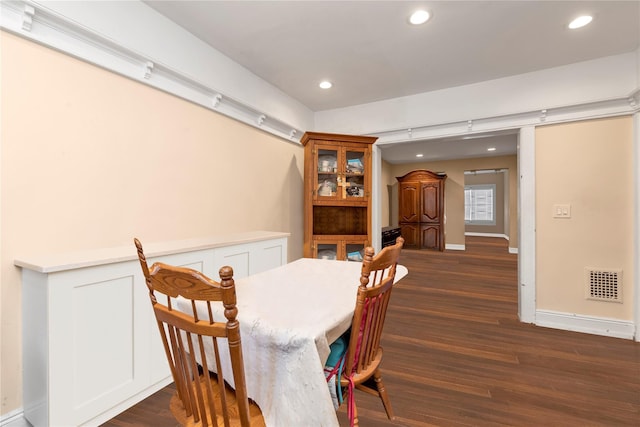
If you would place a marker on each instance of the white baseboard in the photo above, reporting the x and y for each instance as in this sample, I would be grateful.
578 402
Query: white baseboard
586 324
453 247
14 418
128 403
504 236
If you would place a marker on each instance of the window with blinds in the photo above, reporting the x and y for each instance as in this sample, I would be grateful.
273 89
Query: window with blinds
480 204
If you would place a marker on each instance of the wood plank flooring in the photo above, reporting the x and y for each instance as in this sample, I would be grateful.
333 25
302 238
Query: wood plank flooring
456 355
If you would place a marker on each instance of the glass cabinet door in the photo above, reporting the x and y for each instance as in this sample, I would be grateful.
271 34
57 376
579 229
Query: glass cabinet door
327 176
327 250
341 174
355 252
353 176
339 250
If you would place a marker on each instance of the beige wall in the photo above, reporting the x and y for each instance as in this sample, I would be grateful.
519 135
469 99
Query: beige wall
91 159
454 190
589 166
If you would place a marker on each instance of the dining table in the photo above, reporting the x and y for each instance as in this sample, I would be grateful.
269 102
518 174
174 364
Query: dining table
288 318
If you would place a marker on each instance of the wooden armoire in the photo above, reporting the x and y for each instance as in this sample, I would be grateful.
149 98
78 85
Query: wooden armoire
421 209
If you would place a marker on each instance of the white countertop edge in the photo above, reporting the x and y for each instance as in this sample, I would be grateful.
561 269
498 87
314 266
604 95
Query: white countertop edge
51 263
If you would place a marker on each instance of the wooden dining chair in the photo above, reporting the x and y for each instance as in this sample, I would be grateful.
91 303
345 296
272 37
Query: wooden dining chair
364 354
202 398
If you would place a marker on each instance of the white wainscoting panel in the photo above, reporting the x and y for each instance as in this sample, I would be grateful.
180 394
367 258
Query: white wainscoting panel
91 344
269 254
236 258
101 351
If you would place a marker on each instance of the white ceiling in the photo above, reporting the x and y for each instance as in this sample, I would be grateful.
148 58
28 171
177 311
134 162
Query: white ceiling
370 52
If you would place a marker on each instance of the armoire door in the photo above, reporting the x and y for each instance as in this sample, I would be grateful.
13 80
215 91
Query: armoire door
411 235
430 237
409 208
430 192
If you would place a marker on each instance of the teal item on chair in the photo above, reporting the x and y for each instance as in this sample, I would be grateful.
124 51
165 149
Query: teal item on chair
338 350
333 368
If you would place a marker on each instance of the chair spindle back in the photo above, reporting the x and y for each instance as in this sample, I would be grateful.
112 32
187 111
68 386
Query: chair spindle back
186 333
364 353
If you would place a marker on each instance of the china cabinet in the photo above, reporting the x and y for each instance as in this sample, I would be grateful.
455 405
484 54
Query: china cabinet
337 201
421 209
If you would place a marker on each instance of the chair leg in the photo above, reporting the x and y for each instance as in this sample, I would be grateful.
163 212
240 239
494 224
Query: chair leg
355 416
382 391
351 403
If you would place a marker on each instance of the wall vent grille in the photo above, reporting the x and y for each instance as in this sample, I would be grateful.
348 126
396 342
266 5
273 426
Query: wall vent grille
603 285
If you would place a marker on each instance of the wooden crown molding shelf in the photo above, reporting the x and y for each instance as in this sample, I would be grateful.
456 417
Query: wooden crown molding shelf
634 100
600 109
37 23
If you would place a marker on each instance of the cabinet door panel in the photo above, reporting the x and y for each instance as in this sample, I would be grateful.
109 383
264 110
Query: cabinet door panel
355 251
430 202
411 235
326 174
326 250
355 180
430 236
409 202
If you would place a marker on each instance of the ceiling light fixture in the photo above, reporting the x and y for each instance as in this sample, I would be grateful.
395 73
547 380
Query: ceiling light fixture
580 21
491 149
419 155
419 17
326 84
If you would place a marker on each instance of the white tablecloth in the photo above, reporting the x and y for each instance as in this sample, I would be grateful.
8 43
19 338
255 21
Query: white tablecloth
288 317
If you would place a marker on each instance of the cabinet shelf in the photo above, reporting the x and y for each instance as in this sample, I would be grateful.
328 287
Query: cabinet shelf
338 220
351 237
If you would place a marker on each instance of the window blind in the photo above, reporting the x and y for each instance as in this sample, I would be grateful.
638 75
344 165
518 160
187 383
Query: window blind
479 204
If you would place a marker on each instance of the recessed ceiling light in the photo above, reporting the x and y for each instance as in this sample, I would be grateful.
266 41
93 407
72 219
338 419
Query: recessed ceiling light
326 84
419 155
491 149
419 17
580 21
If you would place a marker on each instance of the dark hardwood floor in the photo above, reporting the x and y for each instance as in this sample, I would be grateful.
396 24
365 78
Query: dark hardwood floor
456 355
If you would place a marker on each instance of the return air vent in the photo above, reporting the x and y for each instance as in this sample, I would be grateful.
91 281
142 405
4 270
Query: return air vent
603 285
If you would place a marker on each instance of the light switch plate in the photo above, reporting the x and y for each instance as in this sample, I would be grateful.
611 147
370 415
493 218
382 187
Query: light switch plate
562 211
